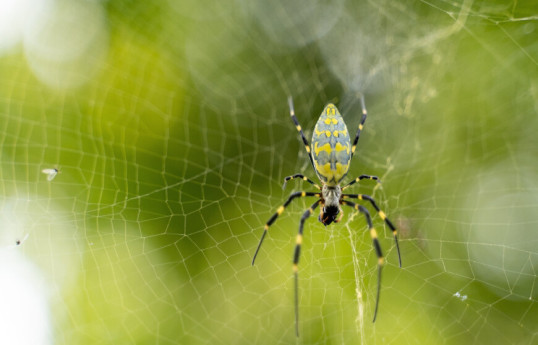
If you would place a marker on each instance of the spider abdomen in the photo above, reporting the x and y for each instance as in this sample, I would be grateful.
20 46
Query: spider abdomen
331 146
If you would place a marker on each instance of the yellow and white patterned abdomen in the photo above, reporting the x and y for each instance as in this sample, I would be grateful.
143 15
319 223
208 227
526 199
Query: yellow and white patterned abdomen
331 146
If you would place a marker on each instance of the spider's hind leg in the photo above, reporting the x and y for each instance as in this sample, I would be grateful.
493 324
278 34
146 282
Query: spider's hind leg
362 177
301 176
300 130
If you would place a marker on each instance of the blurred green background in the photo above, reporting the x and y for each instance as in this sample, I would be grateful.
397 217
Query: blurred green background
169 124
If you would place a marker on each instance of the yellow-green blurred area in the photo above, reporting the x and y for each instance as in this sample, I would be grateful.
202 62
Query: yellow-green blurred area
169 125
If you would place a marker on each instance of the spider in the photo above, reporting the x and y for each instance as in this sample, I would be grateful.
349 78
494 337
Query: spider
330 155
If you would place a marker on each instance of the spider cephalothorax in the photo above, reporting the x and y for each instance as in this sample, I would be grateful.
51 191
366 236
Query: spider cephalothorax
330 155
331 204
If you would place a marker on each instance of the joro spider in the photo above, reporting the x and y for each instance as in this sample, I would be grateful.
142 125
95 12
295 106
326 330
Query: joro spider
330 155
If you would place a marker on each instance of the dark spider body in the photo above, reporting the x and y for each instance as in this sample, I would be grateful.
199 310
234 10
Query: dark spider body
330 196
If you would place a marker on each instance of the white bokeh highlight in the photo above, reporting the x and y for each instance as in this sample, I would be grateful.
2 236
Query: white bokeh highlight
502 240
13 14
24 313
65 42
39 263
294 23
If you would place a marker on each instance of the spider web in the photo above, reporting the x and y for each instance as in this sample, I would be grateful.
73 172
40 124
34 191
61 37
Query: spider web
169 125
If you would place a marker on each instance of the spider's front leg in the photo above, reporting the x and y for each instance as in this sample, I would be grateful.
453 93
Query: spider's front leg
381 214
296 255
377 247
340 217
278 213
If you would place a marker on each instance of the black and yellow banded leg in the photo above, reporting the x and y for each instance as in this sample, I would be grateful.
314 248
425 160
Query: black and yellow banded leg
362 177
361 126
296 254
300 130
304 178
377 247
278 213
382 215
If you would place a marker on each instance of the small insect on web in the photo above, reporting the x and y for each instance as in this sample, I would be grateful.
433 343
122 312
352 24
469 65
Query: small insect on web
330 155
18 242
51 173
